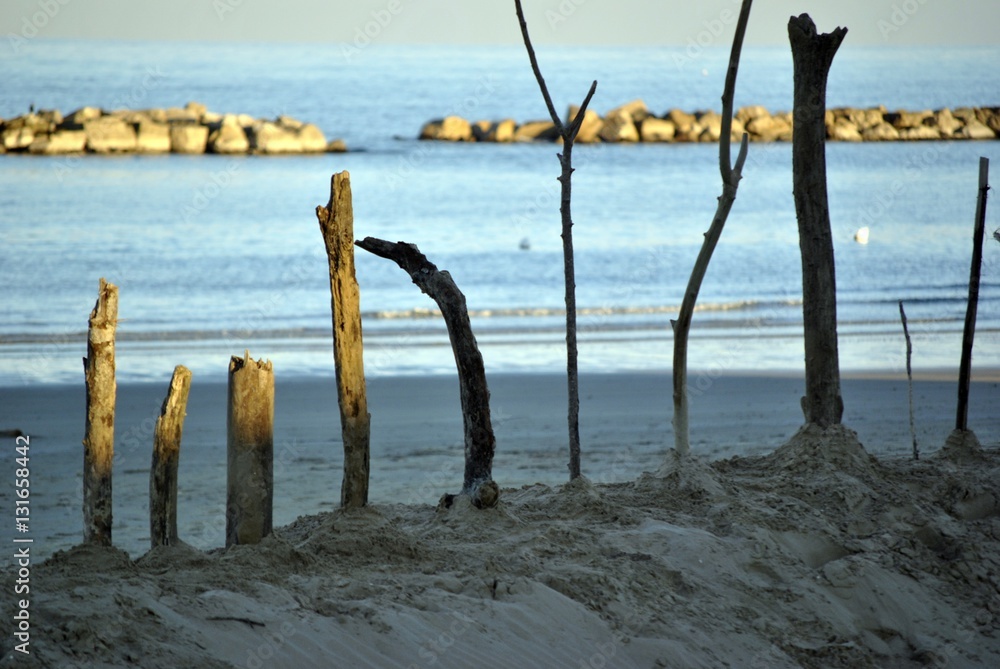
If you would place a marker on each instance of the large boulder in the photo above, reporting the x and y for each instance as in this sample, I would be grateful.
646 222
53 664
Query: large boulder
636 109
197 109
947 124
843 130
16 137
448 129
502 131
188 138
769 128
685 125
746 114
229 137
269 137
59 142
618 126
590 126
289 122
883 132
82 115
178 115
152 137
655 129
109 135
909 119
711 122
311 139
975 129
534 130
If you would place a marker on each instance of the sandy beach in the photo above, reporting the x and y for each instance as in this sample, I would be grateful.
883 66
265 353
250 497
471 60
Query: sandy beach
768 548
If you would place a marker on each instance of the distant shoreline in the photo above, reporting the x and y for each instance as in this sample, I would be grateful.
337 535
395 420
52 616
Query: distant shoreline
633 122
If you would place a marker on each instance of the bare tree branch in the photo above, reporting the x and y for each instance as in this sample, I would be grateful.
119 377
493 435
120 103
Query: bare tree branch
565 179
730 182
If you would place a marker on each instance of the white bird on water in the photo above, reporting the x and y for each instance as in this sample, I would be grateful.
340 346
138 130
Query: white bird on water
861 236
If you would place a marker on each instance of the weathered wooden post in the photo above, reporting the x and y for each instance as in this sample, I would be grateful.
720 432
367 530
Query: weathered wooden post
972 307
812 56
99 439
480 443
166 453
250 450
336 222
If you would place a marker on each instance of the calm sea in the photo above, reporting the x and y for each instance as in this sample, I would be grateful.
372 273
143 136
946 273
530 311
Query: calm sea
214 255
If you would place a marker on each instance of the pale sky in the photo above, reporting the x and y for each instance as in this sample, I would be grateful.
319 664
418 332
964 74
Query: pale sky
582 22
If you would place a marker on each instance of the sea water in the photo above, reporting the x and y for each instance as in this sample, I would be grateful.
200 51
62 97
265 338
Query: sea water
217 254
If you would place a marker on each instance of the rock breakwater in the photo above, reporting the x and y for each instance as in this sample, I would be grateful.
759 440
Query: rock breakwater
634 122
191 129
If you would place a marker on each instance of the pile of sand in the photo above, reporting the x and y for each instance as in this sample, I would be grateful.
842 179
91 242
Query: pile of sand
817 555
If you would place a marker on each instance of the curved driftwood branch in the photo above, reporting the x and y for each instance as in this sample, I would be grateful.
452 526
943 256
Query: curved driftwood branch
480 444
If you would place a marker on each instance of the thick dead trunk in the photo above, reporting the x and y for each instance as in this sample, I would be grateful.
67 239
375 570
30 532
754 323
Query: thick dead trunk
336 222
480 444
250 450
812 56
166 454
99 439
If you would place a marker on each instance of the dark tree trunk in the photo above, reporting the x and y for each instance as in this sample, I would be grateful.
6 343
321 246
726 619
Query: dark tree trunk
480 443
812 55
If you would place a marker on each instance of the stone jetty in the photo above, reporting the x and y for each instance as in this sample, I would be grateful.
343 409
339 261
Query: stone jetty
634 122
191 129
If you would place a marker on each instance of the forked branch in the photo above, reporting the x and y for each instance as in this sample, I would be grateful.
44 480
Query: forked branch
731 176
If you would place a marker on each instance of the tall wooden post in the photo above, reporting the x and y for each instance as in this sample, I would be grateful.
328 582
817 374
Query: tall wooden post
812 56
972 307
336 222
166 453
250 450
99 439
